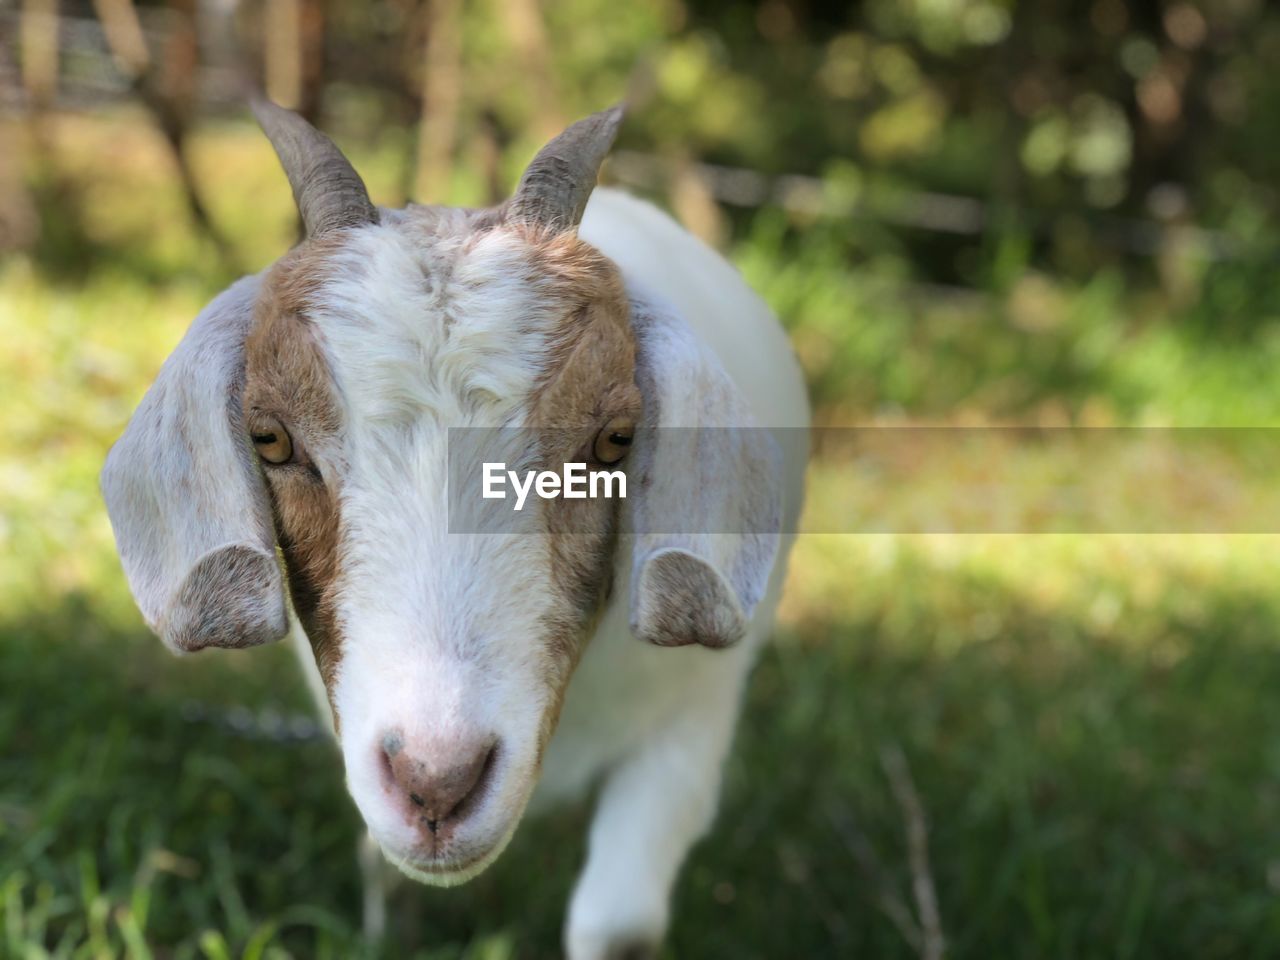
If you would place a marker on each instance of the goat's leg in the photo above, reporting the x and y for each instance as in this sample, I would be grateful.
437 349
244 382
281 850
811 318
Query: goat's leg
652 809
373 873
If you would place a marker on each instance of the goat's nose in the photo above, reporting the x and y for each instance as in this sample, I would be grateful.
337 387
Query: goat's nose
441 784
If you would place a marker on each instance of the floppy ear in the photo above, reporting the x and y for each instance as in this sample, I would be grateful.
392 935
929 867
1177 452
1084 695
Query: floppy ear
186 496
705 503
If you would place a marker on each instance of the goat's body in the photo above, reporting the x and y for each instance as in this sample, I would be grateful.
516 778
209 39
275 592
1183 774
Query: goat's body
306 417
654 724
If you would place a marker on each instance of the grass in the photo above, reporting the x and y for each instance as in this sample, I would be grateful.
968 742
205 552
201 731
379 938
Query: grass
1090 721
1094 759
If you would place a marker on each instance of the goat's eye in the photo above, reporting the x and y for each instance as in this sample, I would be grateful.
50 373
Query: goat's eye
613 442
272 441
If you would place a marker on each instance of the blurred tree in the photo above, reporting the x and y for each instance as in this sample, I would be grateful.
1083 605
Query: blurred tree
527 35
294 54
167 85
972 139
40 46
441 99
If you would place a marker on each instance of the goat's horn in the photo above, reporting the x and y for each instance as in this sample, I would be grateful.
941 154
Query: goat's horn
554 189
328 191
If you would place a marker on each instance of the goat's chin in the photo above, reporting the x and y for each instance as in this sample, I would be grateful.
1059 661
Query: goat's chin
457 863
448 874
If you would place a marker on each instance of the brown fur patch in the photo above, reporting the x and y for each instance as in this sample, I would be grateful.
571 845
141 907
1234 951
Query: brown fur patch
286 377
589 380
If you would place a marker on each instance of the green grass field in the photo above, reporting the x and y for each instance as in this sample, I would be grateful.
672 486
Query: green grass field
1091 723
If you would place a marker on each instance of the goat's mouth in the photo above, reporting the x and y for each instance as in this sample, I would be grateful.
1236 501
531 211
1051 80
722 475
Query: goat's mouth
450 871
441 800
452 852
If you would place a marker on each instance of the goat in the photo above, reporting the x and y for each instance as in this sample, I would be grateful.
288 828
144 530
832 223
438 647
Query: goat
298 437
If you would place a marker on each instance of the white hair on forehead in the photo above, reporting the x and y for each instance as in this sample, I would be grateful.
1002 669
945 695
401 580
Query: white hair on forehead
426 330
454 326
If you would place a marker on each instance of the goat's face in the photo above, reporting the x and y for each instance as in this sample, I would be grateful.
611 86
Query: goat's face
445 655
313 409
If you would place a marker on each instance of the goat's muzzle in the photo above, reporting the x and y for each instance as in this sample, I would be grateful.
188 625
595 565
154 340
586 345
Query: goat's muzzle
437 785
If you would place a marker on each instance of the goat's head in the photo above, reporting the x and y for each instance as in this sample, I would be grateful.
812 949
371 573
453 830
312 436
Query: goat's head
310 409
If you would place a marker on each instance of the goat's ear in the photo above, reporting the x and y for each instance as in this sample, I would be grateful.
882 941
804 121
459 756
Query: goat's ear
187 499
704 497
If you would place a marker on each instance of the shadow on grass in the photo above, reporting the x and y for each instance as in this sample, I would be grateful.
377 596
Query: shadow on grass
1084 798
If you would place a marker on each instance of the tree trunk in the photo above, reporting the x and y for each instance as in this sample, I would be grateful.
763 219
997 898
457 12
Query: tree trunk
441 100
527 34
39 29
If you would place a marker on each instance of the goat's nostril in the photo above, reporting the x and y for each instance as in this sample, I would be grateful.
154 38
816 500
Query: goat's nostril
442 788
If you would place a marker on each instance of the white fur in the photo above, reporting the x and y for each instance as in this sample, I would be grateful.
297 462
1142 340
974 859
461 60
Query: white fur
437 625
